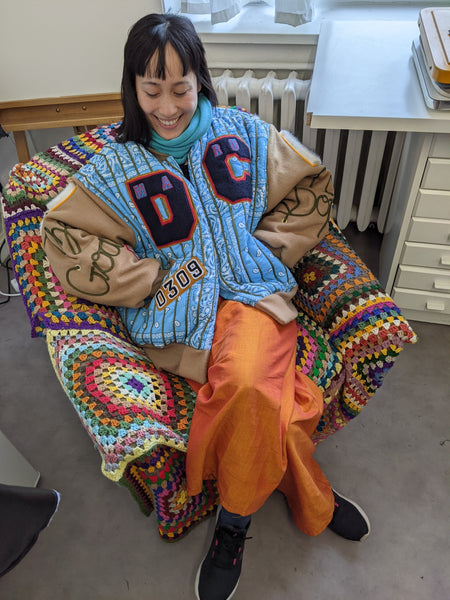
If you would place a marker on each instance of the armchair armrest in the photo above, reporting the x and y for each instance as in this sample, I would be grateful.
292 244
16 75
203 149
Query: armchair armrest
30 187
46 303
340 293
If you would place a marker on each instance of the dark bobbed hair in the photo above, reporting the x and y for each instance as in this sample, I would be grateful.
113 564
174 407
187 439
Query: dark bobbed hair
150 36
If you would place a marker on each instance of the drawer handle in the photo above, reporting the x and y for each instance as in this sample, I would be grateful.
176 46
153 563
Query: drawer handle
445 260
441 284
435 305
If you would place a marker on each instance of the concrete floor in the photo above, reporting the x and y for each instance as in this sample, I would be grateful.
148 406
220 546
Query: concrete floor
393 459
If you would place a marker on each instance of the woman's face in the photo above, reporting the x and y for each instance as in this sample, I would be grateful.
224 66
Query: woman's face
168 104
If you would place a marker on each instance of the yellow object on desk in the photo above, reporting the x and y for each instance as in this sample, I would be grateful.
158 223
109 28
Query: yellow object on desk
434 27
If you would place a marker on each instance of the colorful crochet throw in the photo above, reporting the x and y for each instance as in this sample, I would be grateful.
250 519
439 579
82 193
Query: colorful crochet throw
349 335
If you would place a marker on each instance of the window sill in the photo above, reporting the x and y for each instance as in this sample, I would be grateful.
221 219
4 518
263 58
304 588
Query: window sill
252 40
257 24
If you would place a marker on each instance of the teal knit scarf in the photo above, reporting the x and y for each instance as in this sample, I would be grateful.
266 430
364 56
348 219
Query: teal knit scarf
179 147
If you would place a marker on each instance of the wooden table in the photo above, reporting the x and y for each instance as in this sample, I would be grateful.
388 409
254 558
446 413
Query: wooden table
41 113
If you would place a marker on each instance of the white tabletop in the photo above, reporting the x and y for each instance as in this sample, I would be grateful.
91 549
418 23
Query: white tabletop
364 78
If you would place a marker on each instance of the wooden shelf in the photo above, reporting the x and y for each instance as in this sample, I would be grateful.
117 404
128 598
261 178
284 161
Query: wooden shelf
73 111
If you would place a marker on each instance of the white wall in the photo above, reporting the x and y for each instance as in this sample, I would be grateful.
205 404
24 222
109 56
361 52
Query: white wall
52 48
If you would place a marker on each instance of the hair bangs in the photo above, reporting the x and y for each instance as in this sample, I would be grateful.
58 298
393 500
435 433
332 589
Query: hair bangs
155 64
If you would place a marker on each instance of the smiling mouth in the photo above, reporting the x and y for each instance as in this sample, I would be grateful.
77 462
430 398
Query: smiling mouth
169 123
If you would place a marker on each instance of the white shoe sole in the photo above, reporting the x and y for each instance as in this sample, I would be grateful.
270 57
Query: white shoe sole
197 581
58 499
357 506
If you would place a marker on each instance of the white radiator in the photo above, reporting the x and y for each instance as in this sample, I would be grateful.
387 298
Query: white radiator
364 163
274 100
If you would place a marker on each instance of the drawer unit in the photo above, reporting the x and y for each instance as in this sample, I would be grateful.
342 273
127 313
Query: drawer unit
423 278
433 204
423 306
436 175
431 231
440 147
419 237
426 255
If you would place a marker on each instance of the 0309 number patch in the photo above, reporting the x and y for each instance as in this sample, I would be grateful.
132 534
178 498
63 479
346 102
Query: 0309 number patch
179 282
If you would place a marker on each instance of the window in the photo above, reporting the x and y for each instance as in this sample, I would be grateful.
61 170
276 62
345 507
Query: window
258 16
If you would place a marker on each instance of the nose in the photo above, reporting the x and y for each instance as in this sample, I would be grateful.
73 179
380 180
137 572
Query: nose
167 106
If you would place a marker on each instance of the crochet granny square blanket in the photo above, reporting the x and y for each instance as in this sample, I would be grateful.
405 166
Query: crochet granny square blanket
349 335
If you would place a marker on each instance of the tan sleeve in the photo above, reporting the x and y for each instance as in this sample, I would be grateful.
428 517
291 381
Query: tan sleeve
299 201
90 250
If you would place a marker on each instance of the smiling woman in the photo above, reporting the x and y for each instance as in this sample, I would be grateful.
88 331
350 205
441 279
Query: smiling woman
162 77
168 102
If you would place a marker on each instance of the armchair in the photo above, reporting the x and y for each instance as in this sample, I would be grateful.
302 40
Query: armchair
349 335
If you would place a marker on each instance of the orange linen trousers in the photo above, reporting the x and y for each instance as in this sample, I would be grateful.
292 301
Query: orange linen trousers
254 418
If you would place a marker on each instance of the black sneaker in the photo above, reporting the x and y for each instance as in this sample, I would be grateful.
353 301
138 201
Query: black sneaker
349 520
218 575
24 513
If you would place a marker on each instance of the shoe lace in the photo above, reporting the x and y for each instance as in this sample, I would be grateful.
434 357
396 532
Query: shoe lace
228 545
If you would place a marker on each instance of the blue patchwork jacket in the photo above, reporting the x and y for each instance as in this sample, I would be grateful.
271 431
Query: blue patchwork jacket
226 225
200 228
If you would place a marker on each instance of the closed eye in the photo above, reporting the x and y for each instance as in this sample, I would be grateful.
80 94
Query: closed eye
174 93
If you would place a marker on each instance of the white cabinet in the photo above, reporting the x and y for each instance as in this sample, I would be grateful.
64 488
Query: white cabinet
364 79
415 253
